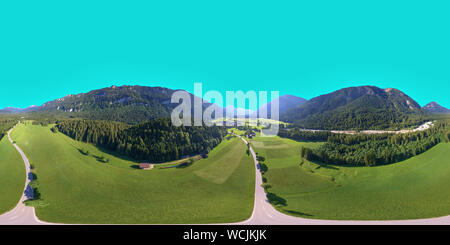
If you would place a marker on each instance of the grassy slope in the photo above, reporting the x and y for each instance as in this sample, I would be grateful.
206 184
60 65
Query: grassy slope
82 190
415 188
12 176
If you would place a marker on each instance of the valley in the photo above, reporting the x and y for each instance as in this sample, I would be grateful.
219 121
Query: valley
79 189
370 154
407 190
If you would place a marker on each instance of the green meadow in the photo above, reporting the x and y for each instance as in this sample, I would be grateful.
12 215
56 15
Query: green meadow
12 176
412 189
80 189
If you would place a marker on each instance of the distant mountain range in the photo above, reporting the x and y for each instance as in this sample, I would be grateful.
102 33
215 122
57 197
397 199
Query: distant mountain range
237 111
435 108
285 103
365 107
12 110
130 104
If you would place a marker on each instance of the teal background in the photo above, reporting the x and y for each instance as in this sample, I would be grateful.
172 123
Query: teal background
49 49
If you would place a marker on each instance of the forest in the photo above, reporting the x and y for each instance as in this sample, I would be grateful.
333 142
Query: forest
348 119
154 141
5 125
298 134
357 108
377 149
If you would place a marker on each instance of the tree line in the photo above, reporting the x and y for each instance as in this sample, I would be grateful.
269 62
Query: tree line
5 125
154 141
349 119
300 135
377 149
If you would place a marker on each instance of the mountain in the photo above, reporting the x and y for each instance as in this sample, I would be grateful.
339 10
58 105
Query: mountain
285 103
12 110
435 108
235 110
365 107
130 104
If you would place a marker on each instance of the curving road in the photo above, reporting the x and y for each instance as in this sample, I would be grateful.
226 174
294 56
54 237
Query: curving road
422 127
21 214
265 214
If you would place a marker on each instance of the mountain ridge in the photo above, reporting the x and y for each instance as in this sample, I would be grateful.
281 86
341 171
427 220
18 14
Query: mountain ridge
435 108
129 104
363 107
285 103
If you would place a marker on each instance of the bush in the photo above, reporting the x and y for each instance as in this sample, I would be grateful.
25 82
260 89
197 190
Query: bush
84 152
266 187
263 168
103 159
276 200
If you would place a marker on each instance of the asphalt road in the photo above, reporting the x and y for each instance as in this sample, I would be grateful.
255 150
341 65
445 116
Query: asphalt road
21 214
265 214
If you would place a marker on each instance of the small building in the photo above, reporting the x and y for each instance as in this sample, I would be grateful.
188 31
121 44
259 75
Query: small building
145 166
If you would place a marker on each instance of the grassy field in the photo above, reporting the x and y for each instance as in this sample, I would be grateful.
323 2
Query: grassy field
415 188
12 176
80 189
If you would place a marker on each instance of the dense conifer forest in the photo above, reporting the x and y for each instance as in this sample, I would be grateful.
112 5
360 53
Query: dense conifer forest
5 125
357 108
297 134
154 141
377 149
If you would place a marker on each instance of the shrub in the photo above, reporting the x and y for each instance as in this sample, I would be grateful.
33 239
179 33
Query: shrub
263 168
103 159
276 200
84 152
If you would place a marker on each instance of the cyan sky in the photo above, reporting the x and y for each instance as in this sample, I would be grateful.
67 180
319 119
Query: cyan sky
49 49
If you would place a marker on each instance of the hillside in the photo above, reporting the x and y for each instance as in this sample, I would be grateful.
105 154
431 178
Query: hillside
14 110
411 189
434 107
154 141
129 104
80 189
12 171
365 107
